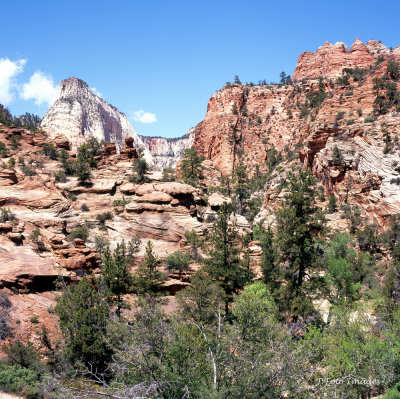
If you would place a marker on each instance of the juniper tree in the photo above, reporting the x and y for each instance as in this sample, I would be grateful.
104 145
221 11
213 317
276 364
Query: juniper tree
191 166
223 263
298 224
115 273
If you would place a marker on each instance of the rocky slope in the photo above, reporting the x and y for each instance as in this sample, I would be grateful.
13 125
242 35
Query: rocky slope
167 152
327 125
304 121
78 114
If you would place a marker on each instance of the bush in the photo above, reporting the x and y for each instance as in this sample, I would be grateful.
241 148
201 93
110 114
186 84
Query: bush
121 202
6 215
168 174
84 208
339 115
103 217
178 261
60 176
140 169
3 150
19 380
370 119
50 151
81 232
28 171
5 304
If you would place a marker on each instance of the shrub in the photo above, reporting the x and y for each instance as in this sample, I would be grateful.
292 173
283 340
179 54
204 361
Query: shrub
84 208
121 202
332 204
337 154
178 261
3 150
83 171
28 171
19 380
6 215
370 119
393 70
11 162
36 238
34 320
81 232
102 217
14 140
50 151
60 176
339 115
140 169
5 304
168 174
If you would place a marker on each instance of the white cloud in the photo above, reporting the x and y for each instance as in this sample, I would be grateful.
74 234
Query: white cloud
144 117
40 88
95 91
8 70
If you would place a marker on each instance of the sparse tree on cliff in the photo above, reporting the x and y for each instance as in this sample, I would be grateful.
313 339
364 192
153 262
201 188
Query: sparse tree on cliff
191 166
140 169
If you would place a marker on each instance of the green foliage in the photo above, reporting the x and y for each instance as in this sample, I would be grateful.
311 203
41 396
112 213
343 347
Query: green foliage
81 232
5 305
332 204
337 154
60 176
168 174
14 141
393 70
103 217
269 259
340 115
191 166
121 202
339 260
115 273
224 264
370 119
88 152
299 223
83 322
178 261
140 169
6 215
147 278
19 380
28 170
315 98
82 170
195 242
3 150
50 151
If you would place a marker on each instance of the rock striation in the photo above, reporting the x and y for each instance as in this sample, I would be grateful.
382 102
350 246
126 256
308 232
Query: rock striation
167 152
330 59
79 114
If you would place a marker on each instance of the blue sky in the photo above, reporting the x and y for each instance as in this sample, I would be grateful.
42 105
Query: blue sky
168 57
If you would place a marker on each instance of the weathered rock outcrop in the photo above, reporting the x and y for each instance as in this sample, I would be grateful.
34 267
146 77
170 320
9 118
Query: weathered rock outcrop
78 114
330 59
167 152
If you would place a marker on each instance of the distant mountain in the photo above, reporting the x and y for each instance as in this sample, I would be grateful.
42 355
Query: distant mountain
167 152
78 114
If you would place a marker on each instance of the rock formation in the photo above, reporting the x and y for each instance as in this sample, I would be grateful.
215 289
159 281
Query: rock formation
167 152
78 114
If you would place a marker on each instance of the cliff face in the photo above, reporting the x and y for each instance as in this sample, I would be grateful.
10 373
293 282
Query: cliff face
167 152
331 126
78 114
329 60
